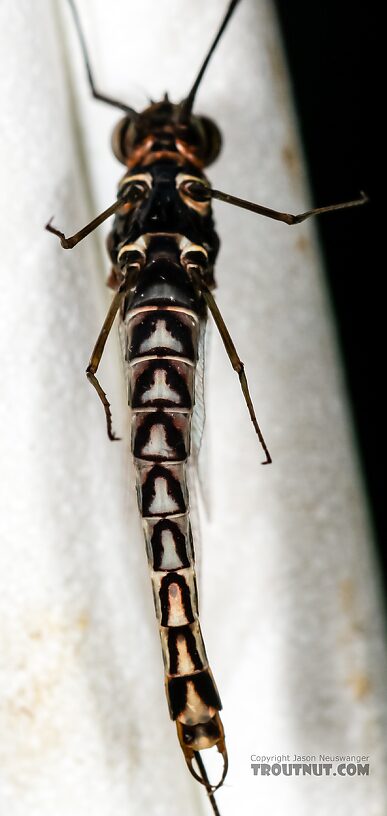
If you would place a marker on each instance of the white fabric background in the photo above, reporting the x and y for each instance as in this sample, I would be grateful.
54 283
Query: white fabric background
289 595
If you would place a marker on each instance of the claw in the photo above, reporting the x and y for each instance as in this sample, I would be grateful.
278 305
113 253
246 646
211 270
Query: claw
203 779
192 752
58 233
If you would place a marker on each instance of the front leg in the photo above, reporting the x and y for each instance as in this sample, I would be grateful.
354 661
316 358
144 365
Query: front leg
73 240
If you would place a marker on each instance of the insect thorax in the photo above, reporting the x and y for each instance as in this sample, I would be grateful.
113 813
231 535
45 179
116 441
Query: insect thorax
165 191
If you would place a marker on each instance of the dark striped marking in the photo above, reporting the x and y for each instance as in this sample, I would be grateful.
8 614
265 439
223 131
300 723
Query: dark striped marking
160 436
168 583
176 332
204 686
164 490
159 546
193 641
161 383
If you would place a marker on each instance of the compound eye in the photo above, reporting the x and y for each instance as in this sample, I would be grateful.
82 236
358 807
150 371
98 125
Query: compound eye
123 138
212 140
195 192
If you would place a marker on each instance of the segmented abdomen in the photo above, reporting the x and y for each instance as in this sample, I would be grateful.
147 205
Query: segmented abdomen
161 351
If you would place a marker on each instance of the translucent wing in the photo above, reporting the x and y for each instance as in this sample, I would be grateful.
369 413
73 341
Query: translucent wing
198 463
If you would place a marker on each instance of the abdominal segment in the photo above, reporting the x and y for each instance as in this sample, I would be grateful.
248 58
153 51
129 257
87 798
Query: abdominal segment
161 348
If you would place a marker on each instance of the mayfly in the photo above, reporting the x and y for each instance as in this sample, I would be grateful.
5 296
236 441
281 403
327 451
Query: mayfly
163 247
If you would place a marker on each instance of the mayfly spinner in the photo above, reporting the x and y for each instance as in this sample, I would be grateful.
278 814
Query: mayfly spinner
163 247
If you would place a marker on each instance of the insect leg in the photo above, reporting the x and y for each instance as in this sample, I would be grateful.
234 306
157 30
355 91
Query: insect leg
96 94
287 218
69 243
98 349
235 360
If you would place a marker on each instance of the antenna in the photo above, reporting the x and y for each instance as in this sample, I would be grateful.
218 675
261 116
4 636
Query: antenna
187 103
97 95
